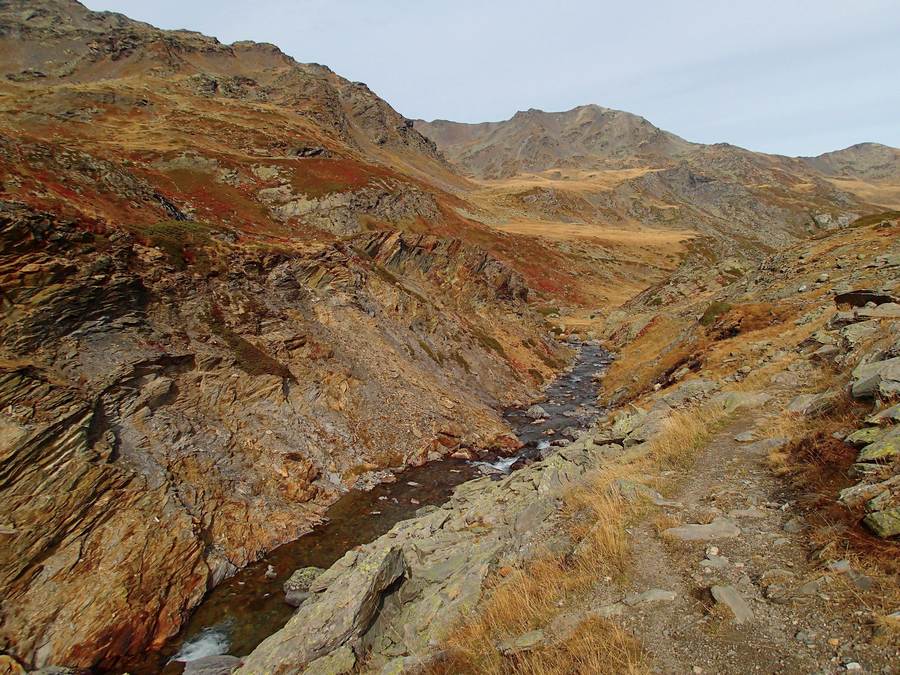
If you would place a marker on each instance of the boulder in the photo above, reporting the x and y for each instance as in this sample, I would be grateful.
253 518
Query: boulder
302 579
859 494
728 597
884 523
338 662
865 436
536 412
720 528
814 405
221 664
880 377
337 615
521 643
885 448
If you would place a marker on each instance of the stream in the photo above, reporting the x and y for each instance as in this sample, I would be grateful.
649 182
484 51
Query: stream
242 611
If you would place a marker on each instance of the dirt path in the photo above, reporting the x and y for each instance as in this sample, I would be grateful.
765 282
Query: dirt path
802 617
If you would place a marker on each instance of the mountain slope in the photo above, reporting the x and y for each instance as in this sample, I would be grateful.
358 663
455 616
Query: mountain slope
592 164
233 286
868 161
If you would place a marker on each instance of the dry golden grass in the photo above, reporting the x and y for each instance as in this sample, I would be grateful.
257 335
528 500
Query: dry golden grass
662 345
887 630
684 433
598 516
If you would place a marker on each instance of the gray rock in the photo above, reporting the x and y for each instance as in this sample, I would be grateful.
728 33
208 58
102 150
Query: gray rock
812 587
212 665
607 611
522 643
838 566
794 525
296 598
715 562
649 596
885 416
806 637
884 523
730 598
720 528
814 405
745 437
344 610
880 377
302 579
536 412
733 400
402 664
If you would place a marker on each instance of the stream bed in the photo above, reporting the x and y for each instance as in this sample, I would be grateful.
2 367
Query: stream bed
244 610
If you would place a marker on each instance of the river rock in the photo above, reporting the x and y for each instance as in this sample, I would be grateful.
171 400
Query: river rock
222 664
301 579
341 612
536 412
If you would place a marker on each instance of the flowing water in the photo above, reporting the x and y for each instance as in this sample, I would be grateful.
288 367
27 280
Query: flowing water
242 611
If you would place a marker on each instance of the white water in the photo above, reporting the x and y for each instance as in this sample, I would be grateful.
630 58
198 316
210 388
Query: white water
503 464
209 642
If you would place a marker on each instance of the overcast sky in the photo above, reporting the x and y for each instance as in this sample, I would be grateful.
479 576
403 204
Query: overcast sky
787 76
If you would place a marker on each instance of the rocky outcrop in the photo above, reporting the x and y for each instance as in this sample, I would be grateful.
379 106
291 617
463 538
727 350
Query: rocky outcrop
165 422
444 556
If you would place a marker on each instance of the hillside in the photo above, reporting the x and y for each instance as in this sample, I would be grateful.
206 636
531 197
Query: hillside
229 295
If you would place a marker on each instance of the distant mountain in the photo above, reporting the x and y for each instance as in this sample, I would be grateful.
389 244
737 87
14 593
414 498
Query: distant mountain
867 161
587 137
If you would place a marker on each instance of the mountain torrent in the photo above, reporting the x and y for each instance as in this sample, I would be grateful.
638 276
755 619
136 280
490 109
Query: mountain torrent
236 287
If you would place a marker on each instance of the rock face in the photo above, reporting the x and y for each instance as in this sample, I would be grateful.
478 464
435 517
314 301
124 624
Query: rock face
182 427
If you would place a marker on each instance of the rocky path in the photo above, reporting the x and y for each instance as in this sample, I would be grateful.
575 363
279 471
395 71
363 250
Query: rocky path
723 580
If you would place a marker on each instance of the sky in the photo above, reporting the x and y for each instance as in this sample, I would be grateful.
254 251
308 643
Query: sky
792 77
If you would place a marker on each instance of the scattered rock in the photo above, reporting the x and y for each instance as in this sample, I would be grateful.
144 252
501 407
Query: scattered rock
720 528
522 643
652 595
813 405
730 598
795 525
884 523
880 377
